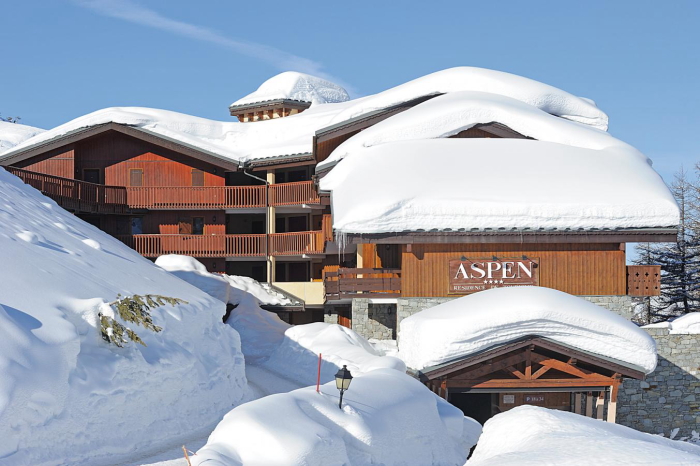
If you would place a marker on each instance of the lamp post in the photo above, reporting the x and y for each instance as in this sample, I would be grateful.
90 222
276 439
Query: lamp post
342 382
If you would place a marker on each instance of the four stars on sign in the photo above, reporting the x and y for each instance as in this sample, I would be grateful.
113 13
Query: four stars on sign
495 282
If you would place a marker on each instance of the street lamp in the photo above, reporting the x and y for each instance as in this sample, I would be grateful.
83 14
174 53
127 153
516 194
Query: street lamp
342 382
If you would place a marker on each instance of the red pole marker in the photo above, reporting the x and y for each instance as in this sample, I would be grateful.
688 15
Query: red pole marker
318 379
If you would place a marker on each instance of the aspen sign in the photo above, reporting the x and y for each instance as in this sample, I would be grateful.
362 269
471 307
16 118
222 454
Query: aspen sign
472 275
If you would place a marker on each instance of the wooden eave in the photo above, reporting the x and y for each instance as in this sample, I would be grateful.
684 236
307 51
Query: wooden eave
266 105
282 161
448 368
527 236
139 133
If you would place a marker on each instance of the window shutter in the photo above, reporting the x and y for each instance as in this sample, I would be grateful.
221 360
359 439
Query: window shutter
197 177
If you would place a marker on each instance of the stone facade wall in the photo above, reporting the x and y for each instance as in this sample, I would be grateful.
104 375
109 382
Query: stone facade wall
374 320
622 305
670 396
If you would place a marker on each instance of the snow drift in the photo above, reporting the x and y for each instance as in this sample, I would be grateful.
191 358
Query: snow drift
67 396
292 85
497 316
685 324
12 134
387 418
529 435
545 186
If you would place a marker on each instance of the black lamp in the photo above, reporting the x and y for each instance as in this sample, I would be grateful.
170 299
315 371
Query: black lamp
342 382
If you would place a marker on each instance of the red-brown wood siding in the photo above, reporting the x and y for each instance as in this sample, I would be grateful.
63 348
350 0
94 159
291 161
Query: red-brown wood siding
579 269
58 163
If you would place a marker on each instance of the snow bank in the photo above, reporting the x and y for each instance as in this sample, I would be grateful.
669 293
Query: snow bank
387 418
686 324
449 114
67 396
546 185
530 435
296 86
497 316
12 134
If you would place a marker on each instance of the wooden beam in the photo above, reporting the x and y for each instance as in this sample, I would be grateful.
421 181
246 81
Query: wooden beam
489 368
540 371
529 384
562 366
515 372
528 363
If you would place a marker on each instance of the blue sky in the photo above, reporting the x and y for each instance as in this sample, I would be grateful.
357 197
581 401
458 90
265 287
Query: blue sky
638 60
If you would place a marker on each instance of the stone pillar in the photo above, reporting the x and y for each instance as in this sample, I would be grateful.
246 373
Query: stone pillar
271 260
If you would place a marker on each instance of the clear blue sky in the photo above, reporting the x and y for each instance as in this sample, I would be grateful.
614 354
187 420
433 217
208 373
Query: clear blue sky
638 60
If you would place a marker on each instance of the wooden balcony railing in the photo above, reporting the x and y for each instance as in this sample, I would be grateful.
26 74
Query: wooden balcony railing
300 192
327 227
74 195
362 283
297 243
281 244
196 197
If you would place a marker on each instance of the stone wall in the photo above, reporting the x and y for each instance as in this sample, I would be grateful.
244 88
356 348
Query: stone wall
374 320
622 305
670 396
406 307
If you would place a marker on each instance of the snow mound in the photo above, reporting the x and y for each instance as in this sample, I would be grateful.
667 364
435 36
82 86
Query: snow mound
67 396
494 317
546 185
530 435
465 78
12 134
292 85
449 114
387 418
686 324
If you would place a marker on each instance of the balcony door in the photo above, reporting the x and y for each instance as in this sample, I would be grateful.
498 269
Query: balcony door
91 175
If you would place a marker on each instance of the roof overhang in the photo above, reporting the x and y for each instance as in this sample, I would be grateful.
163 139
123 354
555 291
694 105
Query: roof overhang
13 157
266 105
628 235
613 365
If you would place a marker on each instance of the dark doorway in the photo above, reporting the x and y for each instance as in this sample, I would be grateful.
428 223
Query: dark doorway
478 406
91 175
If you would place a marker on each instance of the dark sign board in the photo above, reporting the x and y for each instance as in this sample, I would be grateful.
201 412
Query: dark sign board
472 275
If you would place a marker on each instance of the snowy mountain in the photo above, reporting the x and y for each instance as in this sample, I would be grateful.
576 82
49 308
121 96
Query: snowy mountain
292 85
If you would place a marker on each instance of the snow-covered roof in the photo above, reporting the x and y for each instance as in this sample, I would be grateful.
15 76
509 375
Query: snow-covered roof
534 436
12 134
294 135
292 85
494 317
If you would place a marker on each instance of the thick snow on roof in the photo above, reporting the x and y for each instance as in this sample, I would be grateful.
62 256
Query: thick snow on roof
449 114
58 377
294 135
685 324
387 418
494 317
464 184
292 85
12 134
534 436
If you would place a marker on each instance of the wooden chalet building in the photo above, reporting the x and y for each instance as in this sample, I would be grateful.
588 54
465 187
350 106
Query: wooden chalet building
268 219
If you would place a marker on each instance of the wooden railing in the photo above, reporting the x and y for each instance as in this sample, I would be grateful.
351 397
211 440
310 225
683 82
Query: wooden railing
196 197
297 243
300 192
74 195
327 227
362 283
281 244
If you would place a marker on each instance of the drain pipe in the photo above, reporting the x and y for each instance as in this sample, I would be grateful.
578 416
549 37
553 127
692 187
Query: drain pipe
267 219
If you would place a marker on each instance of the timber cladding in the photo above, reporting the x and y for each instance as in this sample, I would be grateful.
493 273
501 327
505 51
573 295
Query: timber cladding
578 269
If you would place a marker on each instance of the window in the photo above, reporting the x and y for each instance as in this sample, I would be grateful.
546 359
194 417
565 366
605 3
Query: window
91 175
136 177
197 177
198 226
136 225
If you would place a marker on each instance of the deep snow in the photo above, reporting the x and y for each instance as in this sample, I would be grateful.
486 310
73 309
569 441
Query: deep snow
495 184
685 324
65 394
293 85
12 134
530 435
497 316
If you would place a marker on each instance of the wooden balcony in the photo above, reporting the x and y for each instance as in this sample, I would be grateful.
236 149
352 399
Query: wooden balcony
221 197
362 283
76 196
214 246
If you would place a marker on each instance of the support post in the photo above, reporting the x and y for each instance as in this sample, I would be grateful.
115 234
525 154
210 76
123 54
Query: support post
600 405
612 403
577 403
589 404
271 226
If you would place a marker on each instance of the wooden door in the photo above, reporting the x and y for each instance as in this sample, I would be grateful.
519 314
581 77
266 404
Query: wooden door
185 226
345 318
91 175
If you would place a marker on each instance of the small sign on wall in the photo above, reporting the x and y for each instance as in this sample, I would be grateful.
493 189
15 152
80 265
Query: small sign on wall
534 398
508 399
472 275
